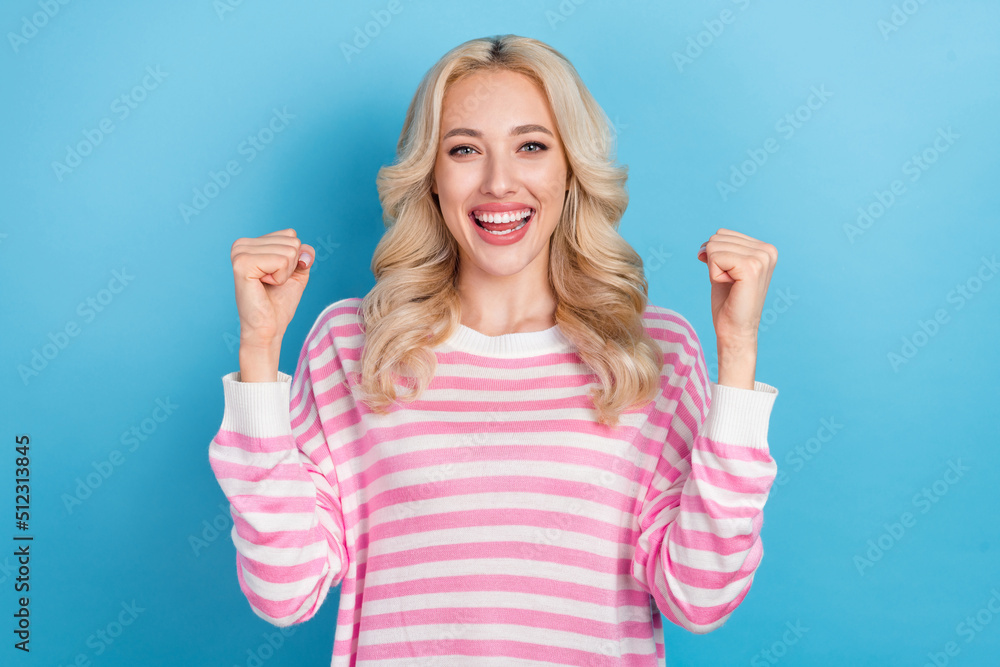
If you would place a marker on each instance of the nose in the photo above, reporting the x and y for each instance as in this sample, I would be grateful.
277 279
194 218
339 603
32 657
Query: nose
498 177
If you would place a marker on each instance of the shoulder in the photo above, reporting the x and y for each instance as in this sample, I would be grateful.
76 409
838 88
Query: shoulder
339 322
682 351
672 330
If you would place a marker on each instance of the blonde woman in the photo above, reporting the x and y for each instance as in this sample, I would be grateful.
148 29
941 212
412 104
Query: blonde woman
502 453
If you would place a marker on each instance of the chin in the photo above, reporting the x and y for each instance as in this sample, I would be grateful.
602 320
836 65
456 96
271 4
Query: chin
509 265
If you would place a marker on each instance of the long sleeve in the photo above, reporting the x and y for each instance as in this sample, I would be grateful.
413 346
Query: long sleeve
272 460
701 516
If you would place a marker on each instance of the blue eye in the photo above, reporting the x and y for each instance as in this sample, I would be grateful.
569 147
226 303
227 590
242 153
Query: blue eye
541 147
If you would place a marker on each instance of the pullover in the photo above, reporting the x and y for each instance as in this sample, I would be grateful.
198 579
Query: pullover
494 521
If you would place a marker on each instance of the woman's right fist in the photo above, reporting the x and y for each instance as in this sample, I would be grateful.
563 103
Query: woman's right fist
269 280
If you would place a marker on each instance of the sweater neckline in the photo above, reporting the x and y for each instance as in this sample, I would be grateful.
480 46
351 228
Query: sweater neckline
520 344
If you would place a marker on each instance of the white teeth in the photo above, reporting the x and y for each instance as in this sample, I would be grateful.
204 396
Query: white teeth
501 217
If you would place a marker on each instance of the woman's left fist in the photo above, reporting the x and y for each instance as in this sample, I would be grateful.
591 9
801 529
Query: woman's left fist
739 268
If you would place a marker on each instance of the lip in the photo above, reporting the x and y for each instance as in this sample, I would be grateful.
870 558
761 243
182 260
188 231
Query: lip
506 239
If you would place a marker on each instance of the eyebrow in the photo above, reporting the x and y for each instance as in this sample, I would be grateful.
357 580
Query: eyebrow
518 129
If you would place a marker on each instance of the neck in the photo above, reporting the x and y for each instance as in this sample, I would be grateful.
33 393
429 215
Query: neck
495 305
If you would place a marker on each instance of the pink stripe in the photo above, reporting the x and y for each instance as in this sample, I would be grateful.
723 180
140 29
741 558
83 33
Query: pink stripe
500 648
442 381
567 403
283 574
716 510
735 483
733 452
489 550
564 590
699 539
469 359
492 485
273 608
248 443
377 435
249 473
439 460
509 616
282 539
273 504
508 517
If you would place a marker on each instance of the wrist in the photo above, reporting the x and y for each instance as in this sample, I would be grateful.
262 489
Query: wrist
737 363
259 361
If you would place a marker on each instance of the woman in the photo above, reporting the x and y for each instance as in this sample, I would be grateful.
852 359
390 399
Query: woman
502 453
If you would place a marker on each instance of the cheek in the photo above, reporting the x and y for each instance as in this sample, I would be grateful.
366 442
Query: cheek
549 181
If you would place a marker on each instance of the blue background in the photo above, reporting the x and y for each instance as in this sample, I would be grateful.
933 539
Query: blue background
838 306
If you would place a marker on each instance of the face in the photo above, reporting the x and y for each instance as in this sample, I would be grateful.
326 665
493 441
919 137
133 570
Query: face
499 150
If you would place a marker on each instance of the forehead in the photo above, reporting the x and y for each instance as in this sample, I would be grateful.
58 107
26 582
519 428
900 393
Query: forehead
485 99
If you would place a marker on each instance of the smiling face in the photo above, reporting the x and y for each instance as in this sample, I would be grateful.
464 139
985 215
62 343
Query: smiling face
499 154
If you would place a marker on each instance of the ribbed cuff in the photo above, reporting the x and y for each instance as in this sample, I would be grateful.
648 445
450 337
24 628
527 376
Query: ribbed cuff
740 416
257 409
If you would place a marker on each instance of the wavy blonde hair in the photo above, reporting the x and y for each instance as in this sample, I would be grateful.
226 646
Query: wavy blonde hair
596 276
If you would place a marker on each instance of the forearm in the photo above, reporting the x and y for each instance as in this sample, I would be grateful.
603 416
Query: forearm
287 519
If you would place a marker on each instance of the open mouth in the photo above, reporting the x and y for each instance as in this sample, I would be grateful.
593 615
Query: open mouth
501 224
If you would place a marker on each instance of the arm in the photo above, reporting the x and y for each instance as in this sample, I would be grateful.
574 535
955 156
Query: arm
700 519
272 460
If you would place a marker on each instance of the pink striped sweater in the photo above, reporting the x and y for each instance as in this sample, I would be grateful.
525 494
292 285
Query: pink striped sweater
494 521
